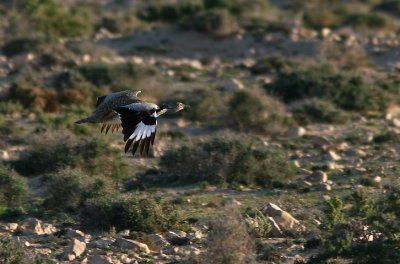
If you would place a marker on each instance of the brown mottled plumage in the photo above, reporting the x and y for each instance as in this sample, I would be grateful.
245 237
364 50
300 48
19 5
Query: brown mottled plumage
104 112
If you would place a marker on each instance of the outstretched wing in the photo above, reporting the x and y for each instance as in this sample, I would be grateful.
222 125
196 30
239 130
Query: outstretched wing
139 126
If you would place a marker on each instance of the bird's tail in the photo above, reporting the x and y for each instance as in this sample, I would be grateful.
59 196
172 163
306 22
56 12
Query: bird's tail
90 119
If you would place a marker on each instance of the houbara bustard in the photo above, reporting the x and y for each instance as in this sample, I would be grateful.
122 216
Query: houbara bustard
138 118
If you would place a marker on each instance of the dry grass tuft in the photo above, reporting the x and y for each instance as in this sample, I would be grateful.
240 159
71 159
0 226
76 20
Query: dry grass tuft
229 241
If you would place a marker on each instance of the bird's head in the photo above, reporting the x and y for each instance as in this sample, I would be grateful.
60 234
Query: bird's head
174 106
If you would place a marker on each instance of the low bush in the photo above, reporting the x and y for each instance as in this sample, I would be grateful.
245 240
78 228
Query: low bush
53 19
137 214
104 74
68 189
257 112
322 18
231 160
13 188
229 240
270 64
51 153
20 45
317 111
367 233
370 21
10 107
389 6
345 91
387 137
11 252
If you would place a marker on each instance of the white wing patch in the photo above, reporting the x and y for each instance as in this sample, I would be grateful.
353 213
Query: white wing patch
143 131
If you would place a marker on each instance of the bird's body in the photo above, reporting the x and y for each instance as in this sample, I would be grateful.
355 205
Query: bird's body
105 105
138 118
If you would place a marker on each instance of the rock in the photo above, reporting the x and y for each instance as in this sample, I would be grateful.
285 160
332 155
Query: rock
332 156
296 132
325 186
275 229
99 259
72 233
233 85
102 243
325 32
396 122
284 220
124 233
230 202
320 141
33 226
4 155
49 229
158 240
10 227
194 235
319 176
137 60
377 179
124 243
177 238
75 249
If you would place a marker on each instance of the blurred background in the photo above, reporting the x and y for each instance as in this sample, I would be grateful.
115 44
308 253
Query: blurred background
294 107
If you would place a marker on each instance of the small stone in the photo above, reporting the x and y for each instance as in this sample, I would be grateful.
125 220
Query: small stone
231 201
325 187
4 155
49 229
131 244
158 240
194 235
99 259
275 229
30 226
10 227
233 85
319 176
72 233
396 122
177 238
377 179
137 60
102 243
124 233
333 156
75 249
285 221
325 32
296 132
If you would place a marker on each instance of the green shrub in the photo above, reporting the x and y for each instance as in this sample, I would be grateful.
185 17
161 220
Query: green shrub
104 74
333 212
346 91
322 17
238 160
20 45
68 189
387 137
137 214
270 64
13 188
390 6
10 107
317 111
54 20
255 111
93 155
370 21
208 106
13 253
217 22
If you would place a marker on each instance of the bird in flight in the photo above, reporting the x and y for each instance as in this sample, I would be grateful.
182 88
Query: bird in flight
137 118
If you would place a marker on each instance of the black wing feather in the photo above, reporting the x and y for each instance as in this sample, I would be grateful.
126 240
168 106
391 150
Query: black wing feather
100 100
130 119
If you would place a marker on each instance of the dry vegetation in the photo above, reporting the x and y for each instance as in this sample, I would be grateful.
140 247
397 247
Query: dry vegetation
294 105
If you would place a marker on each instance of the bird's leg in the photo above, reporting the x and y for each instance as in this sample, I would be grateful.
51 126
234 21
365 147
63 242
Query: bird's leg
108 128
102 128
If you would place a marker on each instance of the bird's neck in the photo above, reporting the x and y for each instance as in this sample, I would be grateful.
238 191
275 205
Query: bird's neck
161 111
